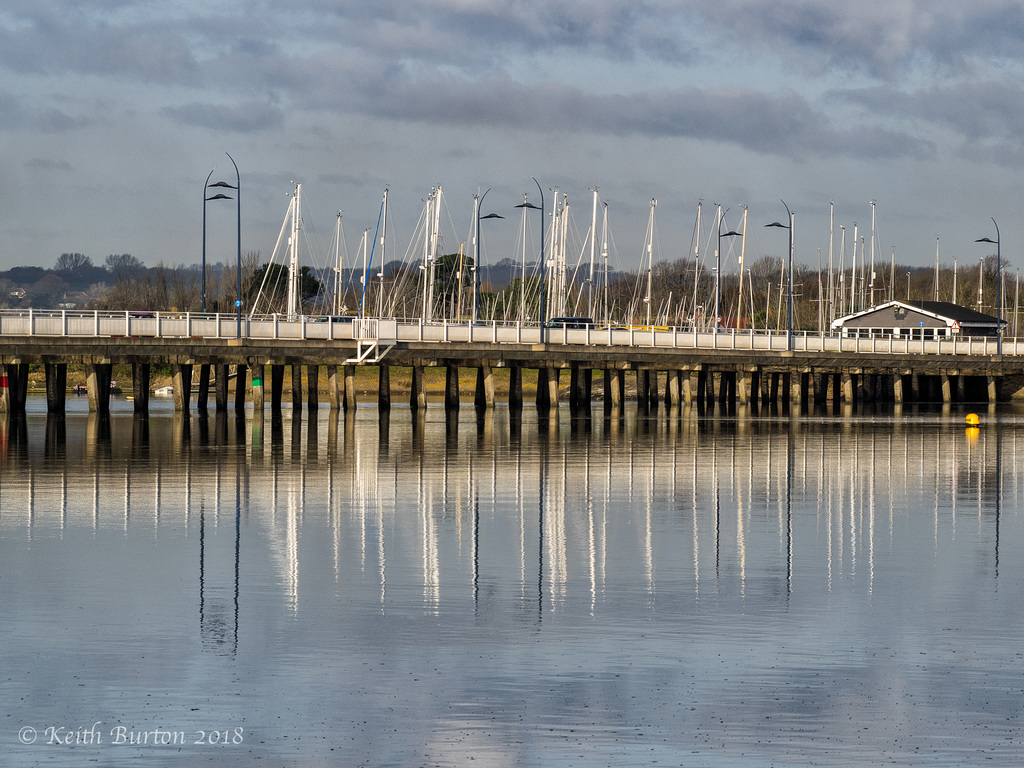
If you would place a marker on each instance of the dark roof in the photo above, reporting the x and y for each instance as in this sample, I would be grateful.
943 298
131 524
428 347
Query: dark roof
953 312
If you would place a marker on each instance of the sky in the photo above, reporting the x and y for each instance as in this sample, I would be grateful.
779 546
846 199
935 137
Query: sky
113 112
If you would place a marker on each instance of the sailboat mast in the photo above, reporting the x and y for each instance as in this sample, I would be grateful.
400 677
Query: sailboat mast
383 253
428 223
604 256
293 255
650 259
853 273
696 262
593 243
872 277
337 267
831 244
936 293
743 253
842 271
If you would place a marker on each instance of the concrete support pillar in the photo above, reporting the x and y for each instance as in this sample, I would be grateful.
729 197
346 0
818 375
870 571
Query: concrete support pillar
614 381
350 388
203 393
915 387
258 390
418 392
897 388
276 387
673 388
56 387
643 388
483 398
313 389
723 389
653 389
384 388
744 387
5 392
181 382
687 382
334 387
773 395
992 390
961 388
947 391
451 388
140 386
515 388
847 387
220 388
296 387
553 375
240 371
796 388
702 386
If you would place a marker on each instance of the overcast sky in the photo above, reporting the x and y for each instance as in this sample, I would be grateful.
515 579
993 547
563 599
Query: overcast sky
113 112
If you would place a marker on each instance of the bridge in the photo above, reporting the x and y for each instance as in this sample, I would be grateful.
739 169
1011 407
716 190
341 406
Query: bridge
672 365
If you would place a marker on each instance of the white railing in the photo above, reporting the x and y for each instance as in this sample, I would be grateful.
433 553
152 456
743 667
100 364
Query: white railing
177 325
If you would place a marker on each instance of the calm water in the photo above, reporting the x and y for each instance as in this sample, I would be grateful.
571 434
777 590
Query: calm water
673 590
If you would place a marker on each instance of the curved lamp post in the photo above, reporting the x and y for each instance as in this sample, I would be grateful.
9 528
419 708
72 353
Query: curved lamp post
219 196
999 288
718 268
541 209
477 202
238 198
789 325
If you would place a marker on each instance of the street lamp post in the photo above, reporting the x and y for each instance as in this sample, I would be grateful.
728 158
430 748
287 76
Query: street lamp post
999 288
541 209
792 221
238 199
219 196
718 268
477 202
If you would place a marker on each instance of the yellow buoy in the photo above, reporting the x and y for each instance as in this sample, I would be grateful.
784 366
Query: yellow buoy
972 420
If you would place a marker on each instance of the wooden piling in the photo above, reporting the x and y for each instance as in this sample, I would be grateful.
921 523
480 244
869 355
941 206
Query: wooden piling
451 388
140 386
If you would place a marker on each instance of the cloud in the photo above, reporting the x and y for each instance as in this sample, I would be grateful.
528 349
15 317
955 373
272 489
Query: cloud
22 114
886 39
985 117
48 164
242 118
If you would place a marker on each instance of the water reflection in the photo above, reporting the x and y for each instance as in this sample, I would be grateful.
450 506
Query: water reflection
664 553
723 482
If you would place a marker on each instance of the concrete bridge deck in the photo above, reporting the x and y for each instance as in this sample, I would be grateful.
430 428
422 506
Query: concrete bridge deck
673 365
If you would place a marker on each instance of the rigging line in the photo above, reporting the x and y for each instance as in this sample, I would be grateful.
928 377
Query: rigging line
366 277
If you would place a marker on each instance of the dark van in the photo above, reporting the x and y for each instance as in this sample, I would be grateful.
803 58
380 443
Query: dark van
570 322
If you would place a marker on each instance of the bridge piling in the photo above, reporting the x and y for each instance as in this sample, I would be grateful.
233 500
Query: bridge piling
515 388
384 388
276 387
451 388
203 395
258 391
418 392
220 388
56 386
140 386
240 372
181 382
296 387
313 391
484 396
333 388
350 388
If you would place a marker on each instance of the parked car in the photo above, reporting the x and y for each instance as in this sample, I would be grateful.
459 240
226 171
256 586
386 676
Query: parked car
570 322
334 319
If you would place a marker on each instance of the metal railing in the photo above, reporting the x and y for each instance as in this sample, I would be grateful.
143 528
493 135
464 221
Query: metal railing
178 325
